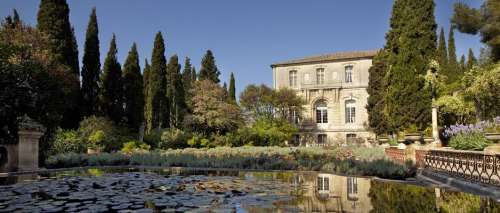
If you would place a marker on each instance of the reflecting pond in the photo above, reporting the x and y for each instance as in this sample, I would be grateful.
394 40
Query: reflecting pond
189 190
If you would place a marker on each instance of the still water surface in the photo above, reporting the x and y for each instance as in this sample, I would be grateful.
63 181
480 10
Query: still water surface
230 191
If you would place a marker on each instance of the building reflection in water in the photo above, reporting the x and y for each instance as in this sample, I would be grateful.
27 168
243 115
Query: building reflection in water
333 193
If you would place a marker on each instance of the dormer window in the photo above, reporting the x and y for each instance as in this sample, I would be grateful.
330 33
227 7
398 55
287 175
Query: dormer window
320 76
348 74
292 76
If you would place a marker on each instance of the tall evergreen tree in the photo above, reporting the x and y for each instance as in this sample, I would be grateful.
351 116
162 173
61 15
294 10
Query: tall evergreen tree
112 85
91 68
53 20
187 81
462 66
453 71
157 86
148 114
133 91
411 43
471 60
175 92
194 75
13 20
209 69
441 53
376 89
232 89
15 17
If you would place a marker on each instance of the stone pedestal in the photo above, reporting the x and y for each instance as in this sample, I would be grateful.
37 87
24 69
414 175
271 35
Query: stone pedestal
28 150
23 155
435 131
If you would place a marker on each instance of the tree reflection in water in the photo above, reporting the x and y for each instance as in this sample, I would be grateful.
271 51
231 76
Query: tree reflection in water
333 193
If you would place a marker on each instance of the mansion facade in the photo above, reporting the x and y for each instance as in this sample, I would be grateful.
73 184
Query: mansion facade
334 88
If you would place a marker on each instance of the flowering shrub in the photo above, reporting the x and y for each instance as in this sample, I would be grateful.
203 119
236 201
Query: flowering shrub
471 137
480 127
472 141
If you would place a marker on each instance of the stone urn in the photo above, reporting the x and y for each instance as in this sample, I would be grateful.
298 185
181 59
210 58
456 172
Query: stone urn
93 150
382 140
493 136
413 137
428 139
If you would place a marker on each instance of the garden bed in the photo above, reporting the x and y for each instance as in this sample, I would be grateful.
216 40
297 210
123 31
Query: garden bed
345 160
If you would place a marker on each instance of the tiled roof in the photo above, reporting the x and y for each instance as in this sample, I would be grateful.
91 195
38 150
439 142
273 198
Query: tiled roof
330 57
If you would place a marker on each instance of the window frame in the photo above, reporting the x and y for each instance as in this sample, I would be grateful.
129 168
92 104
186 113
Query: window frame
322 140
348 72
321 112
292 78
350 111
320 76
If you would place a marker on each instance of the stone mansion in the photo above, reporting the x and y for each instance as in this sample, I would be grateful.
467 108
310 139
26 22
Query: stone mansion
334 88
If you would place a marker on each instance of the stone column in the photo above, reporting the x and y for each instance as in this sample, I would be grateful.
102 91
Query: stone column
29 134
435 131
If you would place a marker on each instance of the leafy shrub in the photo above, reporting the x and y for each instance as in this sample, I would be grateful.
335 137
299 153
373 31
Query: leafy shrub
469 141
393 142
173 138
135 146
67 141
154 138
101 132
267 132
96 140
199 141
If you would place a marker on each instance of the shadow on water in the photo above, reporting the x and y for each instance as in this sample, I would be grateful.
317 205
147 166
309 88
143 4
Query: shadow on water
314 192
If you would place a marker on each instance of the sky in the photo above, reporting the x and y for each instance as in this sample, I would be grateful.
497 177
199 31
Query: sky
245 36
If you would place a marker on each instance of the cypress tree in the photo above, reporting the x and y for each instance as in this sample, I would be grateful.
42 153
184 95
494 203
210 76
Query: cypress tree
412 44
187 81
133 91
442 54
471 60
53 20
15 17
148 114
453 72
11 21
194 75
91 68
232 89
376 89
157 86
175 92
208 69
462 66
112 85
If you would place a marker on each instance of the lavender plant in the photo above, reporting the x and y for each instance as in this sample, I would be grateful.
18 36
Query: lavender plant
472 136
